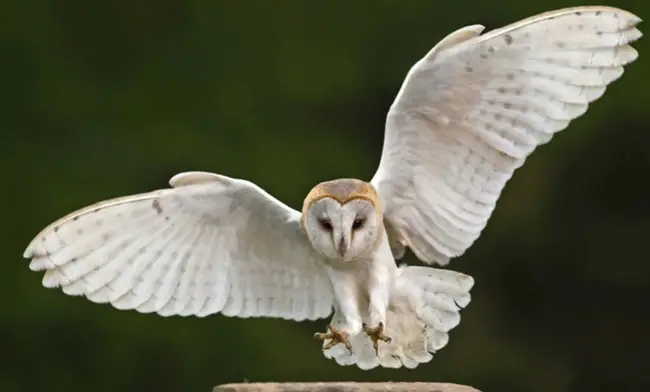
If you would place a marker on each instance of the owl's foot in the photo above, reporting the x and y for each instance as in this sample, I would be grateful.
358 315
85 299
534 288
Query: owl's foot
336 336
376 334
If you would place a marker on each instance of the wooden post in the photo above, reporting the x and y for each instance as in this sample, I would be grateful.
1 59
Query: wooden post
345 387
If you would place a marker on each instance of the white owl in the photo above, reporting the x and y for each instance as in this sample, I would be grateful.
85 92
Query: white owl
466 117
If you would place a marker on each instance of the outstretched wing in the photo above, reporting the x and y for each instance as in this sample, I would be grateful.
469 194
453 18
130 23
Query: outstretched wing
472 110
211 244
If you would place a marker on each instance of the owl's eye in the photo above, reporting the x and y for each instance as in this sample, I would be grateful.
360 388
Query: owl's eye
325 224
358 223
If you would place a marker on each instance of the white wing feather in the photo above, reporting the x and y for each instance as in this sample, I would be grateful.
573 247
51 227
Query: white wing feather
470 112
213 244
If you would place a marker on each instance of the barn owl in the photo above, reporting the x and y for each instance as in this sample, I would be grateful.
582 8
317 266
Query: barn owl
467 116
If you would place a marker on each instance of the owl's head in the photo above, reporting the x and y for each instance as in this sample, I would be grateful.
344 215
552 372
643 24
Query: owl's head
343 219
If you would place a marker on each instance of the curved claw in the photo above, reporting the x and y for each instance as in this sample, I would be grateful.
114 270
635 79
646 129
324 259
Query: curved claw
336 336
376 334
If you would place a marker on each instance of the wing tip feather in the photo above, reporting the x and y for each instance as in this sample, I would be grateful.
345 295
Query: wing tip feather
32 251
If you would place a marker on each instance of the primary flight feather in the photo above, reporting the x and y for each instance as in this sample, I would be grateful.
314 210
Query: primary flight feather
466 117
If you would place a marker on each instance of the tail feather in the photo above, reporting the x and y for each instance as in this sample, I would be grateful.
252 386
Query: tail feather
425 306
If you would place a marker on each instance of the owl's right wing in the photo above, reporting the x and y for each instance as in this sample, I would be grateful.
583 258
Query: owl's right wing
476 106
210 244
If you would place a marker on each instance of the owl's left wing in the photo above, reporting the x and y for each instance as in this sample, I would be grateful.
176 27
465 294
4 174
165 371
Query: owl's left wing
210 244
470 112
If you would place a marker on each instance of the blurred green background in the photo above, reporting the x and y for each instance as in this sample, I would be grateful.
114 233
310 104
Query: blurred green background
107 98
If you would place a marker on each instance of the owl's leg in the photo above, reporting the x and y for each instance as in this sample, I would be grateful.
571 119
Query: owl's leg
376 334
346 310
380 285
336 336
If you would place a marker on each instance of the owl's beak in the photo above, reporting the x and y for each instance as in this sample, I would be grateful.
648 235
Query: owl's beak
342 246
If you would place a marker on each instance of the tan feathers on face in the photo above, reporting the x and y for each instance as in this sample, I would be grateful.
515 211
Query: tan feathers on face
343 190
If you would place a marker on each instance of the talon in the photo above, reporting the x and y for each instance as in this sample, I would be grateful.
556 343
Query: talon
376 334
335 336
